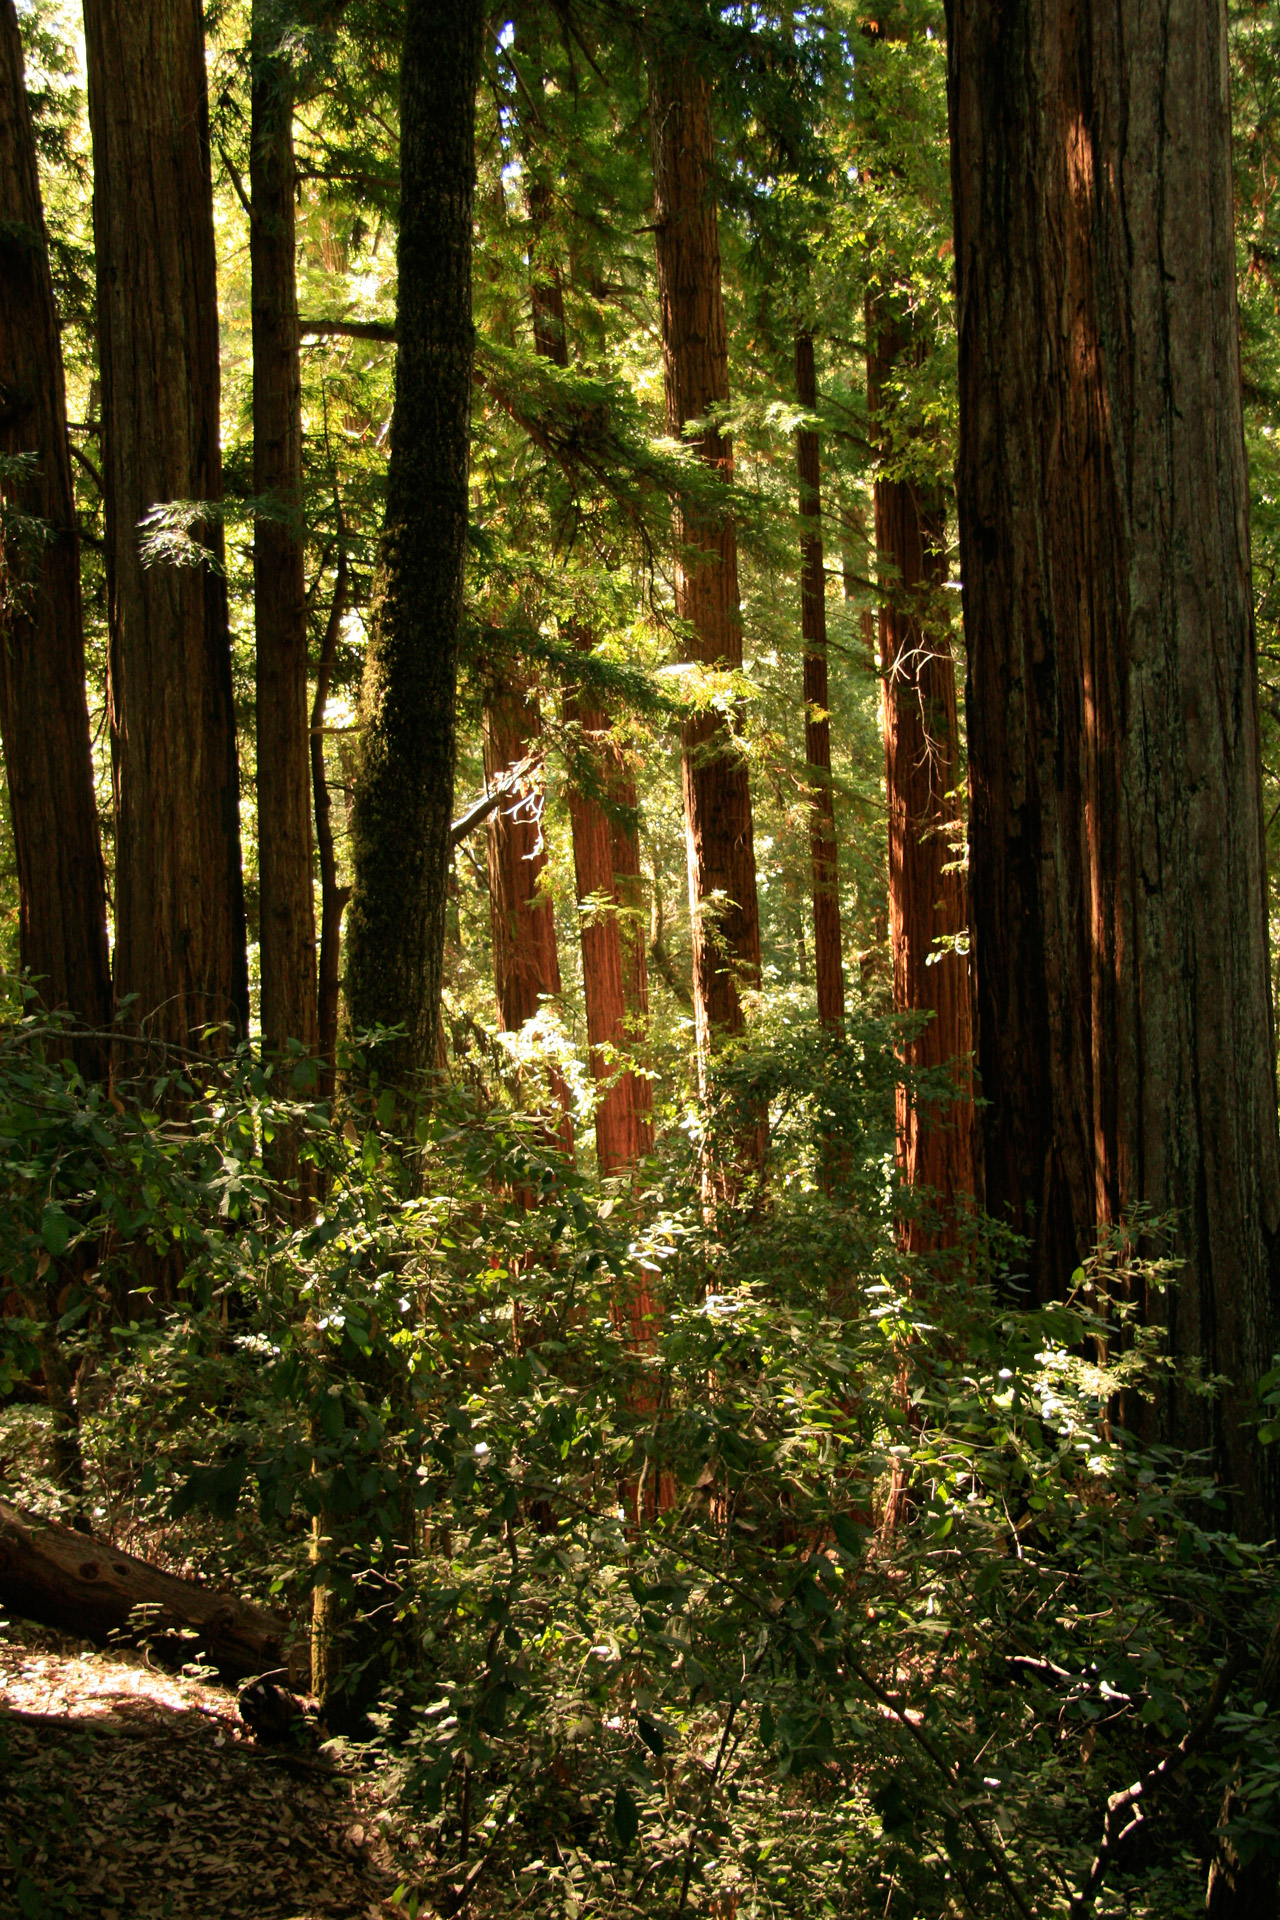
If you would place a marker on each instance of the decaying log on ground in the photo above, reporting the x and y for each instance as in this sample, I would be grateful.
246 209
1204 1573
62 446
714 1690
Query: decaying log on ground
59 1578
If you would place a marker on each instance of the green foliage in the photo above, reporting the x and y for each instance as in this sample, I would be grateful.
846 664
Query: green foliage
831 1588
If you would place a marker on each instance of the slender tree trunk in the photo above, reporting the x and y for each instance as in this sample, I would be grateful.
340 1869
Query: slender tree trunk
526 961
927 897
828 961
630 890
614 974
286 914
333 898
1125 1039
44 721
403 802
179 901
717 797
522 921
624 1128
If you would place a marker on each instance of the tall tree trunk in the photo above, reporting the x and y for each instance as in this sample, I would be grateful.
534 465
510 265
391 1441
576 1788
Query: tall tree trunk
403 802
526 961
1125 1040
717 796
287 932
44 721
333 898
624 1128
179 900
522 921
614 975
927 902
828 961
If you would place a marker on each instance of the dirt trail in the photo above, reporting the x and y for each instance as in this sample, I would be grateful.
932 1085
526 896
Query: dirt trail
128 1794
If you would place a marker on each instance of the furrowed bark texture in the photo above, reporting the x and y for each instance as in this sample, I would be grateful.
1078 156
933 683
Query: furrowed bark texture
44 721
286 915
179 900
403 802
717 796
922 759
615 1017
614 975
1125 1040
828 960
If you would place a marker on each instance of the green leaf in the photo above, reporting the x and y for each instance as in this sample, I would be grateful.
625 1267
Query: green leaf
56 1229
29 1899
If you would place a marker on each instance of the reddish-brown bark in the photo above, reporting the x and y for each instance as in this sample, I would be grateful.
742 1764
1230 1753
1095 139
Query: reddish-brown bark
828 959
522 922
624 1129
1124 1022
614 974
928 901
717 795
62 916
286 916
179 902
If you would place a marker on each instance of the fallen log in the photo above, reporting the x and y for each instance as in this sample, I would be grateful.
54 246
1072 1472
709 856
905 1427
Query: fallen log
60 1578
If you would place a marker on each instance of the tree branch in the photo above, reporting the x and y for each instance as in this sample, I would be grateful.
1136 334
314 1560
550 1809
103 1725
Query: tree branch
347 329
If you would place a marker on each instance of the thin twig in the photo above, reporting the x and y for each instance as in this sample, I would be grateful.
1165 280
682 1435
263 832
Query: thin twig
1113 1834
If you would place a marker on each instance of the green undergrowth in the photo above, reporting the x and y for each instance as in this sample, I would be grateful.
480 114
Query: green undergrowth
830 1587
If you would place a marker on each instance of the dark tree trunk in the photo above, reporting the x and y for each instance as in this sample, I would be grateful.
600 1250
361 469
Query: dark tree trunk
286 916
717 796
44 721
403 802
1125 1041
179 902
333 898
927 903
828 960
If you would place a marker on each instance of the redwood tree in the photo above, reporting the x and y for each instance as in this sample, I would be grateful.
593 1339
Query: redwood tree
1125 1039
403 800
828 961
62 916
179 905
526 961
614 973
717 796
286 914
928 904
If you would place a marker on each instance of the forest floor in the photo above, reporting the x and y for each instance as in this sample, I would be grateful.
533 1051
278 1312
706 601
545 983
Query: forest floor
131 1794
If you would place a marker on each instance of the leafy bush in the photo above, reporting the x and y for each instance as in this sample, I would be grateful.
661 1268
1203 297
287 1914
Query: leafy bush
680 1558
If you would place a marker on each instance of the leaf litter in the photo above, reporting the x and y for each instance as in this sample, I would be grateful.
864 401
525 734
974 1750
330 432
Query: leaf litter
132 1794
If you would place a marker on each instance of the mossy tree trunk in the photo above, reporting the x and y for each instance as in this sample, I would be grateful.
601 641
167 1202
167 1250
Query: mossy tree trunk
403 799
